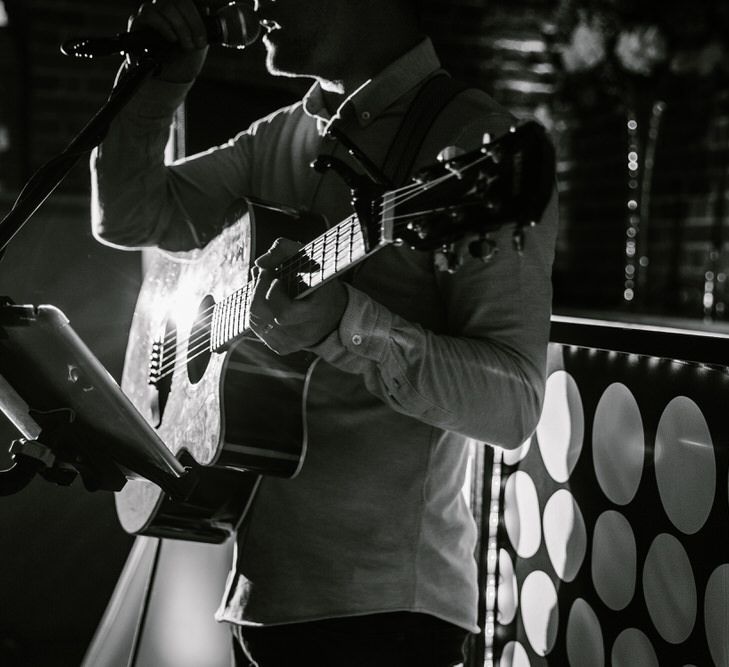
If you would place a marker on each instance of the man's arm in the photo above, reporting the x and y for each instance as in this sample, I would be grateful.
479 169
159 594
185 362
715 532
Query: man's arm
483 378
137 200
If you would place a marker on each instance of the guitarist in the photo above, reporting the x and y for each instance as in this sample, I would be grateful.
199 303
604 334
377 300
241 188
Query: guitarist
367 556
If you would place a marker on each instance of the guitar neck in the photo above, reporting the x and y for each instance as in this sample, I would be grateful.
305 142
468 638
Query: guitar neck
475 193
327 256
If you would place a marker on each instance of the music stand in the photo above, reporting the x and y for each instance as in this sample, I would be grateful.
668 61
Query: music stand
72 415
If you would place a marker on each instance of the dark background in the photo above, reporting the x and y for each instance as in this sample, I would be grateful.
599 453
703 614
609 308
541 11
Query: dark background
62 549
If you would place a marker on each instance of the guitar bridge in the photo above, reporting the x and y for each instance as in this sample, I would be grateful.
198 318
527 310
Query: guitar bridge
162 356
155 363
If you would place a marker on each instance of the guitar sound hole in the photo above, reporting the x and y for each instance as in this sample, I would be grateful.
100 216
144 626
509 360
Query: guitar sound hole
198 349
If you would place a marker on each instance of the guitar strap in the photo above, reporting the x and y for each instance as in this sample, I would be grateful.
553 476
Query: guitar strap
433 96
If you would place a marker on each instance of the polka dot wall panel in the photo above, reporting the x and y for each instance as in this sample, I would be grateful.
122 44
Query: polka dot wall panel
613 543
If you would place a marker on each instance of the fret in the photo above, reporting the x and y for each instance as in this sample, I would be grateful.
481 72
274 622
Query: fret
331 253
231 298
243 315
238 309
351 240
337 230
328 269
231 315
214 325
224 319
322 261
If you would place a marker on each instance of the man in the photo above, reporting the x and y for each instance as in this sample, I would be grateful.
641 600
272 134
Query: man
367 556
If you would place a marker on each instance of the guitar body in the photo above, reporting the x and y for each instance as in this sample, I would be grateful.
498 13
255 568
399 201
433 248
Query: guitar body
213 409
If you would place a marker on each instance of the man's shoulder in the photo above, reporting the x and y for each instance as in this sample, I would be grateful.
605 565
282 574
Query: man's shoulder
476 107
464 121
286 115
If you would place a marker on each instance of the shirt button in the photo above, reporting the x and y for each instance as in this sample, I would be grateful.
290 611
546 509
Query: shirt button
356 339
365 115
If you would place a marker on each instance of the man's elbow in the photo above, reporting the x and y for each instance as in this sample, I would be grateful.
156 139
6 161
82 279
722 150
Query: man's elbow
518 424
118 229
530 413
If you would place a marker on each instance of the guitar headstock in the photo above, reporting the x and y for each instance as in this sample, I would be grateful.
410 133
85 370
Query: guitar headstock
468 196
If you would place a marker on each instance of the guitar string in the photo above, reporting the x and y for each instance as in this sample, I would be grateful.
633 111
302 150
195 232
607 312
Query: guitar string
402 195
200 345
303 257
326 257
240 299
199 339
415 190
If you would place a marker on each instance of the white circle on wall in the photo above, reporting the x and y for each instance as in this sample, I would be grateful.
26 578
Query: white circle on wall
521 514
618 444
669 588
561 427
539 613
585 644
685 465
564 534
633 649
507 591
716 612
514 655
511 457
614 560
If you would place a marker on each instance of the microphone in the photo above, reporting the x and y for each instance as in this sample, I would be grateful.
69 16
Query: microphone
235 25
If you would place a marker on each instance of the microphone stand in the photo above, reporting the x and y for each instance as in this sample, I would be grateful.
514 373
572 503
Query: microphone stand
50 175
38 188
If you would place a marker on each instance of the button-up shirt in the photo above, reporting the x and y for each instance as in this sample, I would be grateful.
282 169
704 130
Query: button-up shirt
422 361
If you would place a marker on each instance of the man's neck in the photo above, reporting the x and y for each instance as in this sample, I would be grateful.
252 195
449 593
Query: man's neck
365 65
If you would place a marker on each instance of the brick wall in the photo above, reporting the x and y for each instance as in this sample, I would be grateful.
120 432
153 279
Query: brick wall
63 93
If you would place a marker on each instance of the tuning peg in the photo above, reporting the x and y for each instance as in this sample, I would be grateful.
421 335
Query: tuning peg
447 156
483 248
450 153
447 259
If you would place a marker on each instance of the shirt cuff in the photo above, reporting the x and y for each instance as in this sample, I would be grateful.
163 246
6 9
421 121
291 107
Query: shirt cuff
362 336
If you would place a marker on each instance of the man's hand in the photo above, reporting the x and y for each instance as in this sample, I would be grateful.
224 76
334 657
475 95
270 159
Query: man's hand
288 325
180 23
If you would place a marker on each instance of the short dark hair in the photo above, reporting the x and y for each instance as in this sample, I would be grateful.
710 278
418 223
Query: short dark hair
413 6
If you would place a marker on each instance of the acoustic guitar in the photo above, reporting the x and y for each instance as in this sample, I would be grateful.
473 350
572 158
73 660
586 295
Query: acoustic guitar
206 383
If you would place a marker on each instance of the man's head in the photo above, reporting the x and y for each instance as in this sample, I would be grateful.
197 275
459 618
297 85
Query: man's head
333 39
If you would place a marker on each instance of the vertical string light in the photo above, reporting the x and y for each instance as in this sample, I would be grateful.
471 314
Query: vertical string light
492 558
715 275
633 211
641 163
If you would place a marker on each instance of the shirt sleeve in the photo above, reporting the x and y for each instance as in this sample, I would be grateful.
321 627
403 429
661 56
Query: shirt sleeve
137 200
483 378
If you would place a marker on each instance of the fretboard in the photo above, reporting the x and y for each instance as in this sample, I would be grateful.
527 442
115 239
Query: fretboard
326 256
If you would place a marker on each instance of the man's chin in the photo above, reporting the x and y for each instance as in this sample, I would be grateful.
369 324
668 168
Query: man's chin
278 64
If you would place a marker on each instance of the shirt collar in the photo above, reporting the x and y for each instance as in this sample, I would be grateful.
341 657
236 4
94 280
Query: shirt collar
372 98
